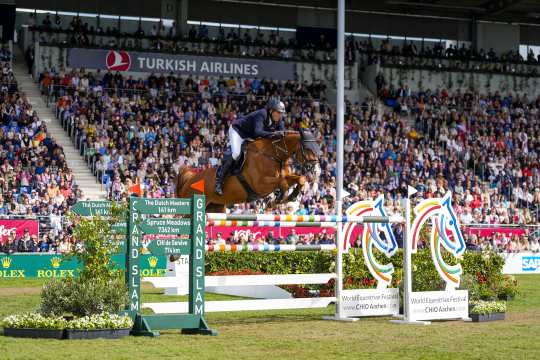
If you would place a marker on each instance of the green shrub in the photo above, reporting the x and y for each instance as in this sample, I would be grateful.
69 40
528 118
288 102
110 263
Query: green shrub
484 268
98 289
82 297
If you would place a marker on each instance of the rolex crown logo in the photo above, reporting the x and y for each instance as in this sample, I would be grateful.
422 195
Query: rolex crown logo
152 261
6 262
55 262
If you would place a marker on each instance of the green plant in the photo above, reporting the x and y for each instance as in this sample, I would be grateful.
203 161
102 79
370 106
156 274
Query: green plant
82 297
97 289
34 321
508 288
488 307
470 282
98 242
484 268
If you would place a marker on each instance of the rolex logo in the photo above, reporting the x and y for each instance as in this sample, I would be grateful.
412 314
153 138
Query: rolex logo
55 262
6 262
152 261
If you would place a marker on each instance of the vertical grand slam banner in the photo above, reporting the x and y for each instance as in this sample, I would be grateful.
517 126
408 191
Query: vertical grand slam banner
150 62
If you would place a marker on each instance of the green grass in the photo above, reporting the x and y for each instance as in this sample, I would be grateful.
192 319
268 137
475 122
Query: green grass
295 334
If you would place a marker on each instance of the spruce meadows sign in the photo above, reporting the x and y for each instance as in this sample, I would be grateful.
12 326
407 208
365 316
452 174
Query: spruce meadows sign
150 62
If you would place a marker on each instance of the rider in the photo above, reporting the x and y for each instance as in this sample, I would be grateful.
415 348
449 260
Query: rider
264 123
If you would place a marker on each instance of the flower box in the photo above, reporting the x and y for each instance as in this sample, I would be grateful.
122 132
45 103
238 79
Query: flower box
96 334
488 317
35 333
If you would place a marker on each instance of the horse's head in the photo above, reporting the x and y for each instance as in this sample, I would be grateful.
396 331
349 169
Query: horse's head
309 151
448 228
389 245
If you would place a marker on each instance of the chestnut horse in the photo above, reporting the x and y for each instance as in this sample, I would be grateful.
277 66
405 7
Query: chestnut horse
264 171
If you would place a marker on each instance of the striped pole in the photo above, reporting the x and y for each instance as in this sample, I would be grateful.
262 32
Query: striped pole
268 248
269 223
305 218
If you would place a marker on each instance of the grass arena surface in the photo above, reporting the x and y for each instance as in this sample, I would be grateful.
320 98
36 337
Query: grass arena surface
294 334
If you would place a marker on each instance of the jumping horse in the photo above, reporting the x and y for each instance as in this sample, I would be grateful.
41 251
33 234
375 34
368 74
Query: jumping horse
265 170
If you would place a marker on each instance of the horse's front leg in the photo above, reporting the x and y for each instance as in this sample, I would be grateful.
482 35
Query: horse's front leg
298 182
277 185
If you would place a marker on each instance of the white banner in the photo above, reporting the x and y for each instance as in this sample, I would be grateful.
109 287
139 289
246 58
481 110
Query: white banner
370 302
439 305
521 263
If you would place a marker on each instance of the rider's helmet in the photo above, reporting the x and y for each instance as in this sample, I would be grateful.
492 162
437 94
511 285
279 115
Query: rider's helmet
276 105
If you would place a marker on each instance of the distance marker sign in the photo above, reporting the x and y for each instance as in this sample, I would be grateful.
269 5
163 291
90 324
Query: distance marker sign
166 226
169 246
92 208
163 206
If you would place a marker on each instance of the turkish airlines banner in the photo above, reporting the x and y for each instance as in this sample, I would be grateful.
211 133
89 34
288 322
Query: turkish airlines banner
153 62
7 226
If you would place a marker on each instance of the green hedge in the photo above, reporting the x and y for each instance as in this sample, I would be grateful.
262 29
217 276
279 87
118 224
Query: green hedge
484 266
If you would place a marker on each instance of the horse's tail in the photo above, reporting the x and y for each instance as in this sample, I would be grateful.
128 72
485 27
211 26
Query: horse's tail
184 175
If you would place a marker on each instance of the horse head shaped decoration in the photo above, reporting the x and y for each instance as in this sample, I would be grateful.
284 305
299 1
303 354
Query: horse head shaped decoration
445 231
371 236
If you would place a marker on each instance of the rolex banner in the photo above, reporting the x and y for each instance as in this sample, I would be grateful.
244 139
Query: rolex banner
180 64
55 266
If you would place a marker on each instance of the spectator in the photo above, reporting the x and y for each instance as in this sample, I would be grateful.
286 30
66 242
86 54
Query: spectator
10 246
26 243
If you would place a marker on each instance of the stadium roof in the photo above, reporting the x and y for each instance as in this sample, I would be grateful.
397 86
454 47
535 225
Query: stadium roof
515 11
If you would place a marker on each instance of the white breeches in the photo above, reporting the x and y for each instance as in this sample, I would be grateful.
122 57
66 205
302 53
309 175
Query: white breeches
236 142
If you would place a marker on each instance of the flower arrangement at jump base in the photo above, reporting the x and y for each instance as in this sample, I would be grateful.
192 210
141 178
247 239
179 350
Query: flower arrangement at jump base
83 307
58 327
487 310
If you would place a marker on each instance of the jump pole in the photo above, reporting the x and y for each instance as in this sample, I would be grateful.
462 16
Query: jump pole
407 264
340 114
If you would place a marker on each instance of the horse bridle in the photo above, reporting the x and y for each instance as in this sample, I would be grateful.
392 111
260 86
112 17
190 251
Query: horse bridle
306 165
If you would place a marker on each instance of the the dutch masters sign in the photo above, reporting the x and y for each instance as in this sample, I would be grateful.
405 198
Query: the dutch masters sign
149 62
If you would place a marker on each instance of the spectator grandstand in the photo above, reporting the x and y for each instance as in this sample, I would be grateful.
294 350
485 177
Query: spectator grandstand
482 145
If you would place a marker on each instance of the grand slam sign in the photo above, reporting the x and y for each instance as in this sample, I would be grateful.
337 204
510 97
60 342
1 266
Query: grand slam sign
153 62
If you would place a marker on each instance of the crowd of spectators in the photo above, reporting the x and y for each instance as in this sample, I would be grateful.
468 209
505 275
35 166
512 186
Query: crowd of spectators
7 80
484 148
53 241
35 181
230 42
254 43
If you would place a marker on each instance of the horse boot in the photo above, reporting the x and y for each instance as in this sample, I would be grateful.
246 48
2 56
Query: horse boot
221 174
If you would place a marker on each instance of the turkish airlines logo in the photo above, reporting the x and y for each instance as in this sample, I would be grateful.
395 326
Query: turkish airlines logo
118 60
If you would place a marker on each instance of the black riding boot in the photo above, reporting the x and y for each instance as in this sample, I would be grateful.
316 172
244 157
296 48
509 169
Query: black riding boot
221 174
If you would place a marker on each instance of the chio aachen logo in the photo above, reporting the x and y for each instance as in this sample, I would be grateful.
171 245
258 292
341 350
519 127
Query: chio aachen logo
530 263
118 60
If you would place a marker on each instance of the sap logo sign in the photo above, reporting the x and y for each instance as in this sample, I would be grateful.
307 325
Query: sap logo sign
530 263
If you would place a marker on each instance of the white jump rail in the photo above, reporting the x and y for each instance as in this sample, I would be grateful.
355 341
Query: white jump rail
243 305
237 283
